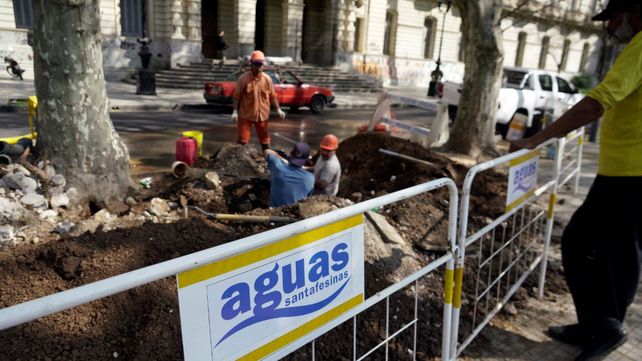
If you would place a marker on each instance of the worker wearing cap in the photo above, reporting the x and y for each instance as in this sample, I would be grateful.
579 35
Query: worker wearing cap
602 244
327 170
253 95
289 182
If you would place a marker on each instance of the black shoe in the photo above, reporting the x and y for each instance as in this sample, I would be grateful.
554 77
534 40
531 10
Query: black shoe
606 340
571 334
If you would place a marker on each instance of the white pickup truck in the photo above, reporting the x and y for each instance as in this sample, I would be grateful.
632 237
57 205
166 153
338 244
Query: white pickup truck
530 92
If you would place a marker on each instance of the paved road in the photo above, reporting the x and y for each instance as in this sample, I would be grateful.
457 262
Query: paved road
151 136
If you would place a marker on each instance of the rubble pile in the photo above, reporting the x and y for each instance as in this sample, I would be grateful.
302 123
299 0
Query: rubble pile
166 221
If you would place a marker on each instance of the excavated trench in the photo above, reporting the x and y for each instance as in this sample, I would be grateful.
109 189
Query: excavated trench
143 323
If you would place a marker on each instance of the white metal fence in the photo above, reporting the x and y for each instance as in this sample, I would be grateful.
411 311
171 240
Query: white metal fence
31 310
571 147
498 258
502 254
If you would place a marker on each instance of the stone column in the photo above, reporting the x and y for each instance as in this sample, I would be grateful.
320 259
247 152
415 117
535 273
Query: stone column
294 28
178 20
246 15
185 42
193 23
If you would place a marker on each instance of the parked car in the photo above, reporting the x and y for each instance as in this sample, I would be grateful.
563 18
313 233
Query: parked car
292 92
533 93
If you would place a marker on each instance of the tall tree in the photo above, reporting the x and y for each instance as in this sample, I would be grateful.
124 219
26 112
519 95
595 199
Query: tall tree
474 128
74 128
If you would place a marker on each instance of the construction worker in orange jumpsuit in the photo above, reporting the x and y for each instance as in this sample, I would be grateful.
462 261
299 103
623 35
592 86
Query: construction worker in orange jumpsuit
253 95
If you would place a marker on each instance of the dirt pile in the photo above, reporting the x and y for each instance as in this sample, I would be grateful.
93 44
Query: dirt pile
143 323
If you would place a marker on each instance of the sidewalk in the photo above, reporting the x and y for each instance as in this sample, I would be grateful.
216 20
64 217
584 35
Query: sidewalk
123 97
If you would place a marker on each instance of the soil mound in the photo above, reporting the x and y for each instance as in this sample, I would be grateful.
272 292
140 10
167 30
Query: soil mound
143 323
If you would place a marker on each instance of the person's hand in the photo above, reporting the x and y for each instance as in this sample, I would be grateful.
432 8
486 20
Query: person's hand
281 113
524 143
235 116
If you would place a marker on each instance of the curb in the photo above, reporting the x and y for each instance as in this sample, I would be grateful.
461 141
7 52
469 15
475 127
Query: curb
173 107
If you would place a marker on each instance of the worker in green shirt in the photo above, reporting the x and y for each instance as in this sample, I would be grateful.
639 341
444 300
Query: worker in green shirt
602 244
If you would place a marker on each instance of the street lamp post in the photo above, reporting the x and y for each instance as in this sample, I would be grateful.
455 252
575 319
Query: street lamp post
437 74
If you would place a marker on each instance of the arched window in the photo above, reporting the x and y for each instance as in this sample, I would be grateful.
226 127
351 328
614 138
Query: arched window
430 24
565 50
543 55
521 46
585 53
390 35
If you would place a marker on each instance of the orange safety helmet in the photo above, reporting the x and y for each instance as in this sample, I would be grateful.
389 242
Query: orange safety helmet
330 142
257 56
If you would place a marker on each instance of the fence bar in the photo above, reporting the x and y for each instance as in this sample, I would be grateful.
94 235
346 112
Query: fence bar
31 310
550 216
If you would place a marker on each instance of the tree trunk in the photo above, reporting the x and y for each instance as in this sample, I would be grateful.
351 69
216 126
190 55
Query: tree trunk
474 128
74 128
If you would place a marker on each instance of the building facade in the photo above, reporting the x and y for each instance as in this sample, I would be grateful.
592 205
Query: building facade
398 41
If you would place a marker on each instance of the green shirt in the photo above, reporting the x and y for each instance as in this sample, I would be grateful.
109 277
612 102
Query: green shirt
620 93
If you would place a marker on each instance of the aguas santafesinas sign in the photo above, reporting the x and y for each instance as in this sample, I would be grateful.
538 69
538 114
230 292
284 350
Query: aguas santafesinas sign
253 304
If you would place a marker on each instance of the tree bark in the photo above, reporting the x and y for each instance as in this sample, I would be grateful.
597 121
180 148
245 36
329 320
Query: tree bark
74 127
474 128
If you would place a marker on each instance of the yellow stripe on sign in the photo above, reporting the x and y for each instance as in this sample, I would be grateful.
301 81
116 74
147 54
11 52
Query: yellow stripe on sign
519 200
524 158
551 206
203 273
459 283
449 284
302 330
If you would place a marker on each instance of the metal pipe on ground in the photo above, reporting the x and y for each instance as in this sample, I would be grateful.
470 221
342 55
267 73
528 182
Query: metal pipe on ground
407 157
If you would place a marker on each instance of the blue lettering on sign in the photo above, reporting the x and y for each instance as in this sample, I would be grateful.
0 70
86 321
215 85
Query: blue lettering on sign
324 271
523 179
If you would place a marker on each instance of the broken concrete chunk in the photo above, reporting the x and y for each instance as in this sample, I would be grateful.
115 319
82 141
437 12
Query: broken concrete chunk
20 181
131 201
72 193
10 210
34 200
102 216
48 214
213 180
6 234
388 232
59 200
158 207
58 180
17 168
64 227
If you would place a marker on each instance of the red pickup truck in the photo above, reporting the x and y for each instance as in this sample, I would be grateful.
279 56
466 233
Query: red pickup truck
291 91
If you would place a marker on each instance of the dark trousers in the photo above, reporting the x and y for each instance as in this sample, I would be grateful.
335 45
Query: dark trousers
602 250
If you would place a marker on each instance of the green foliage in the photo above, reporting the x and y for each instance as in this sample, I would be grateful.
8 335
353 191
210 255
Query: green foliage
583 82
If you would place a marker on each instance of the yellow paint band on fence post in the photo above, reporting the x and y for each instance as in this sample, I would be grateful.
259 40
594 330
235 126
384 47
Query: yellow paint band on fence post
459 284
551 205
448 286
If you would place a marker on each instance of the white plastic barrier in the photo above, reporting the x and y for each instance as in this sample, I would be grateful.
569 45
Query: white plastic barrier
508 249
31 310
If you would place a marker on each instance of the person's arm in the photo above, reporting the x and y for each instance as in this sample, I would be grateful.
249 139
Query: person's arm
585 111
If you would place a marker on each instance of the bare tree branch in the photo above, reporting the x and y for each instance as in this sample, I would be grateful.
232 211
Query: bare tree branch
521 4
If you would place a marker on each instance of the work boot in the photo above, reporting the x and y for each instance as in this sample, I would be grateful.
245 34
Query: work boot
574 334
605 339
264 146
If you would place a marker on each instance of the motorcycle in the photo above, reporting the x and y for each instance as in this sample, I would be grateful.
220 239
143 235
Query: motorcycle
14 70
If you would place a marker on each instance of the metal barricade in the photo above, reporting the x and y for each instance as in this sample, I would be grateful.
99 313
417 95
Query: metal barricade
571 147
31 310
503 253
